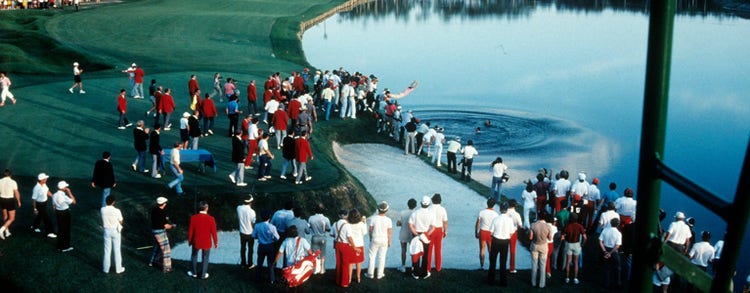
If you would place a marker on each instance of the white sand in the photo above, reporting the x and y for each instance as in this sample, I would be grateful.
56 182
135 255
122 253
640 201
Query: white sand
389 175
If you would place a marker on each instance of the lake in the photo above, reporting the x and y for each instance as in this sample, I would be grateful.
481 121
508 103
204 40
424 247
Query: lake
561 82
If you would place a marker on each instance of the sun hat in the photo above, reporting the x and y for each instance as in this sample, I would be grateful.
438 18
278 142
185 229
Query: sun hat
62 184
42 176
161 200
679 215
383 207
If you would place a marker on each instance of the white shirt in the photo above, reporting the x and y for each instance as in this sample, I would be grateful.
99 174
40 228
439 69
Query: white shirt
340 231
8 187
580 188
528 199
626 206
611 237
252 131
439 139
246 216
469 152
380 224
263 146
606 217
422 219
39 194
429 135
111 217
594 193
502 227
183 123
679 232
328 94
702 254
441 215
61 200
175 156
272 106
485 218
562 186
453 146
357 232
552 231
516 217
498 170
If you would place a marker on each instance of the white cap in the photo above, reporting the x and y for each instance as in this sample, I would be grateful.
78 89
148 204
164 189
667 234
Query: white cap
426 200
679 215
41 176
132 65
185 115
75 63
62 184
161 200
581 176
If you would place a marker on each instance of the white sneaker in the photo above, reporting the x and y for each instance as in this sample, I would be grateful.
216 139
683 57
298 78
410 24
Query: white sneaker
308 178
282 177
133 167
70 90
380 276
2 232
120 271
156 176
575 281
189 273
129 124
402 269
205 276
567 280
51 235
427 276
241 184
37 230
69 249
367 275
248 167
81 92
231 177
210 132
121 127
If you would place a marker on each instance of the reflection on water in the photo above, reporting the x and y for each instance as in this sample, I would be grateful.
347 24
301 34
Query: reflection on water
524 140
473 9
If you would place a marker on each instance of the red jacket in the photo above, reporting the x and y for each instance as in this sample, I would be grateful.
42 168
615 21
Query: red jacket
202 230
193 86
302 147
122 104
166 104
294 106
139 75
208 108
280 120
267 97
298 83
252 93
157 98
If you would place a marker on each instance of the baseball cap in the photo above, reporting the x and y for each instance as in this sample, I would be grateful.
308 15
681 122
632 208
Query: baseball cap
75 63
42 176
132 65
581 176
185 114
383 207
62 184
161 200
679 215
595 181
426 200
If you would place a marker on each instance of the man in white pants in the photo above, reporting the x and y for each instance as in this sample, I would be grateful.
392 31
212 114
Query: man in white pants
5 85
381 230
112 223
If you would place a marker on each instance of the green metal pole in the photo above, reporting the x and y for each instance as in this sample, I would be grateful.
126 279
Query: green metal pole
653 130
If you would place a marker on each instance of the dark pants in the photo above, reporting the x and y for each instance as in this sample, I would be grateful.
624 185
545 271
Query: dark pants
420 270
205 253
612 265
233 119
252 108
419 137
264 167
208 124
42 216
246 245
466 169
452 162
265 251
499 246
63 229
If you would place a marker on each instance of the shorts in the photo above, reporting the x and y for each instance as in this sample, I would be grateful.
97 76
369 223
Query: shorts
485 236
573 248
8 203
77 78
318 243
184 135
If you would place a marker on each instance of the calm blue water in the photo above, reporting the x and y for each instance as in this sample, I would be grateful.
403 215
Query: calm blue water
562 83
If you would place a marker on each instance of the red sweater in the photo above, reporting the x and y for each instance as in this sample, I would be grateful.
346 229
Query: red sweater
139 75
208 108
302 147
202 230
122 104
193 86
252 94
280 120
167 103
294 106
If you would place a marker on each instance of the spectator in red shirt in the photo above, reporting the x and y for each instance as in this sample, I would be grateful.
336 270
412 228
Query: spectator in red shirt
302 147
252 97
122 108
208 108
166 107
193 85
138 87
280 123
157 103
572 234
201 236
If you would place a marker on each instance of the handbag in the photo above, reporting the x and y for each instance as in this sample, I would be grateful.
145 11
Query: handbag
300 271
505 177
